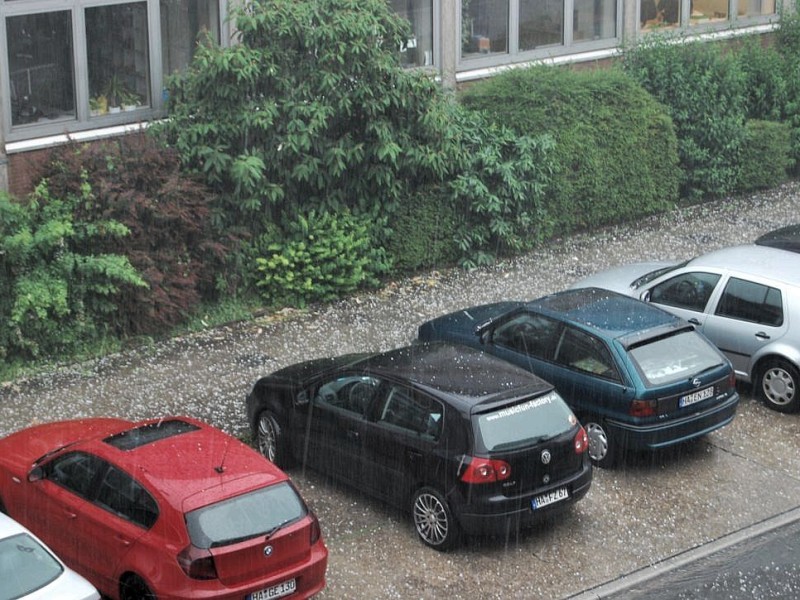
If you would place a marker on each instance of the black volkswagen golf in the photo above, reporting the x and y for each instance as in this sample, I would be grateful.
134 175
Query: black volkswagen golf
466 442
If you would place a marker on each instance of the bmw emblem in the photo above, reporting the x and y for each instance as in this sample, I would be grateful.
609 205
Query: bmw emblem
267 550
546 457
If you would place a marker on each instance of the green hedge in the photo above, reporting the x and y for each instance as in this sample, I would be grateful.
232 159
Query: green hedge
765 155
615 148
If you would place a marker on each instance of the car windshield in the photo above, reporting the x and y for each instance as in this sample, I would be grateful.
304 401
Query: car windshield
260 512
525 423
648 277
25 566
667 359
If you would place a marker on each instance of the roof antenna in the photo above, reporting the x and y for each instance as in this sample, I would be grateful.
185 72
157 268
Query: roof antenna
221 467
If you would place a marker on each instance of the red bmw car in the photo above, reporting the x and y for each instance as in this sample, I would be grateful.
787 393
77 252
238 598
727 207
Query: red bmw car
169 508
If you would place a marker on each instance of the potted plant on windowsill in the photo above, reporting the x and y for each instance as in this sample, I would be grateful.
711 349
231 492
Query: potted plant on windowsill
114 90
98 105
130 100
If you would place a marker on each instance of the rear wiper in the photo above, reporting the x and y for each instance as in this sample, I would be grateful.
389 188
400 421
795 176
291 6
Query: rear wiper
281 525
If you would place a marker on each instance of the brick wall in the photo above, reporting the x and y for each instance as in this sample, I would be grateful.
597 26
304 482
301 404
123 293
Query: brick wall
24 171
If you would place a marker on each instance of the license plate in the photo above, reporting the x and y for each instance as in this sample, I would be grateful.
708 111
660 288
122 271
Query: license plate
695 397
549 498
276 591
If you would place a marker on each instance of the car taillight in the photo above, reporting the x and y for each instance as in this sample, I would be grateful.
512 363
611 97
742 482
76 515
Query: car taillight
643 408
197 563
732 380
316 532
484 470
581 441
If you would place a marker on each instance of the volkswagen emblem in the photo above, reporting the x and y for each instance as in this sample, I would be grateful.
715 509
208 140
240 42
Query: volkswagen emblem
267 550
696 382
546 457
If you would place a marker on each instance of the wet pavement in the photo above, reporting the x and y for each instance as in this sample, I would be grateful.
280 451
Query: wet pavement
649 509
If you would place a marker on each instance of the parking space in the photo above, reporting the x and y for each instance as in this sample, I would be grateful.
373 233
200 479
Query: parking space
650 508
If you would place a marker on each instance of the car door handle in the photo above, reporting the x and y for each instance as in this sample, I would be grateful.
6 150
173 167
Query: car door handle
414 455
70 514
694 321
762 336
352 434
123 541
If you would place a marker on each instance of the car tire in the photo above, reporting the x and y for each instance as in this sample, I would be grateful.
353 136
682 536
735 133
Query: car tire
778 383
271 440
603 450
434 521
133 587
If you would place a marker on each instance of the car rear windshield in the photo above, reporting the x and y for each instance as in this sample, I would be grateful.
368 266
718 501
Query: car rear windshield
524 423
668 359
152 432
261 512
26 566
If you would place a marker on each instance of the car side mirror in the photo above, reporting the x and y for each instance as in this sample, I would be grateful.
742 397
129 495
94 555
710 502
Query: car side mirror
645 297
302 399
36 474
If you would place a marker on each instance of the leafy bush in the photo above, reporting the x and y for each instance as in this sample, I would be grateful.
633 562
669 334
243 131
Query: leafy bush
423 232
766 155
137 182
59 290
703 89
313 112
766 92
599 120
788 44
325 255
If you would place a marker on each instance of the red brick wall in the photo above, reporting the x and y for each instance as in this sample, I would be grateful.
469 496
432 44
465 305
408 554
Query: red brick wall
24 170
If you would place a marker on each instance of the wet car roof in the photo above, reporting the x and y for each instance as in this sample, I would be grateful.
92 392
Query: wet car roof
764 261
605 311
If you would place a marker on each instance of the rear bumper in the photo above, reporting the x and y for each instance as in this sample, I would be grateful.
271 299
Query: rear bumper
674 431
497 515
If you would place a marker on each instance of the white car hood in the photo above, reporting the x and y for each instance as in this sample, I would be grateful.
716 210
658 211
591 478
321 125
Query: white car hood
620 279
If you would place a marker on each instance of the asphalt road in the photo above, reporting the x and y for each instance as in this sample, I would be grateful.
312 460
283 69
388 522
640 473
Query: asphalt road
649 510
757 563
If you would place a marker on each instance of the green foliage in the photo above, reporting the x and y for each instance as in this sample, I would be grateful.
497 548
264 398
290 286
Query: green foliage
137 182
788 44
766 91
325 256
598 121
312 105
766 155
703 89
423 232
58 291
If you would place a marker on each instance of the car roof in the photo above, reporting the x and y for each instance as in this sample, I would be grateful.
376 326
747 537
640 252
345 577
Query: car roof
763 261
785 238
186 462
605 312
467 377
9 527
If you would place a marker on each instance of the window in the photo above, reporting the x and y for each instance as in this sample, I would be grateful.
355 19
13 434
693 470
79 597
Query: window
530 334
27 566
40 68
76 472
257 513
352 393
418 51
413 412
658 14
184 25
541 23
688 290
78 66
123 496
594 20
579 350
117 55
484 27
673 358
748 301
516 425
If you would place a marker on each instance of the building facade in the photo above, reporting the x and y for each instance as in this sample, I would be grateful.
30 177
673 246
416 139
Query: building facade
89 69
